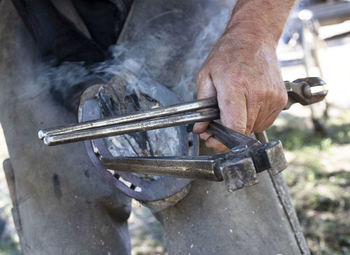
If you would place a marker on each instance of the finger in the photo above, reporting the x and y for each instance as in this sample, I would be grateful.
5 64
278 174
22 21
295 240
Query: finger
215 144
269 112
267 122
205 136
205 85
254 108
232 104
200 127
205 89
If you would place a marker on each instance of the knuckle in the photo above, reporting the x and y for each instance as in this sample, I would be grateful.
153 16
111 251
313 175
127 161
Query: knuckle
261 93
199 78
282 94
201 75
278 98
284 99
281 100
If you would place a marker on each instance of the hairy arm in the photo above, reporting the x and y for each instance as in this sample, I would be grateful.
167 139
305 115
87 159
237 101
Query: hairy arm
242 70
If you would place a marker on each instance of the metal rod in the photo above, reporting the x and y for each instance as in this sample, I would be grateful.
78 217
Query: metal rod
229 137
154 113
163 122
194 168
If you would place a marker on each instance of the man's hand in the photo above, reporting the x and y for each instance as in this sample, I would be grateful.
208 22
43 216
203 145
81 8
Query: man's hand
243 72
244 75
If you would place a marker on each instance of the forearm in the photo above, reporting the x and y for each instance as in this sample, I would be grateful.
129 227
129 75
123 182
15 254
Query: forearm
262 19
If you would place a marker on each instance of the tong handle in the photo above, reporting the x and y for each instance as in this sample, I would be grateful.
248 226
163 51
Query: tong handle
228 136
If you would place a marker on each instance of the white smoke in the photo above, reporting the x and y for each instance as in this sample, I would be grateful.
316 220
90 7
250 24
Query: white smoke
68 74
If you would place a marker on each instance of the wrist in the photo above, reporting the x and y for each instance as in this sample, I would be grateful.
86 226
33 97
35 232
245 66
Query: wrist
248 33
263 20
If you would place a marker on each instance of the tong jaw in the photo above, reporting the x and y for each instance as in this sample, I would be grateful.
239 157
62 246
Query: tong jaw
239 175
305 91
240 168
275 156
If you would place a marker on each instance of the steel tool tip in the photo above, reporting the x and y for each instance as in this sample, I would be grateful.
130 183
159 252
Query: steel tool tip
41 134
47 140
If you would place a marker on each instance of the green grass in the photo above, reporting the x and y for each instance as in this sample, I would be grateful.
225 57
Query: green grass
9 247
318 177
294 138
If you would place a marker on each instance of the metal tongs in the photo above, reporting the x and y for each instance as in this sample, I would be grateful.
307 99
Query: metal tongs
304 91
238 167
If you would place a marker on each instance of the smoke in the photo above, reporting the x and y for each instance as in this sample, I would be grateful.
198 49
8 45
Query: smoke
197 55
146 61
168 56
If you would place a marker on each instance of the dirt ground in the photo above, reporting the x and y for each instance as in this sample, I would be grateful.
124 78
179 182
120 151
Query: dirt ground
318 174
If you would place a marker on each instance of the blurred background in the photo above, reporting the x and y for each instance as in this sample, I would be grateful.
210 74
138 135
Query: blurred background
316 139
